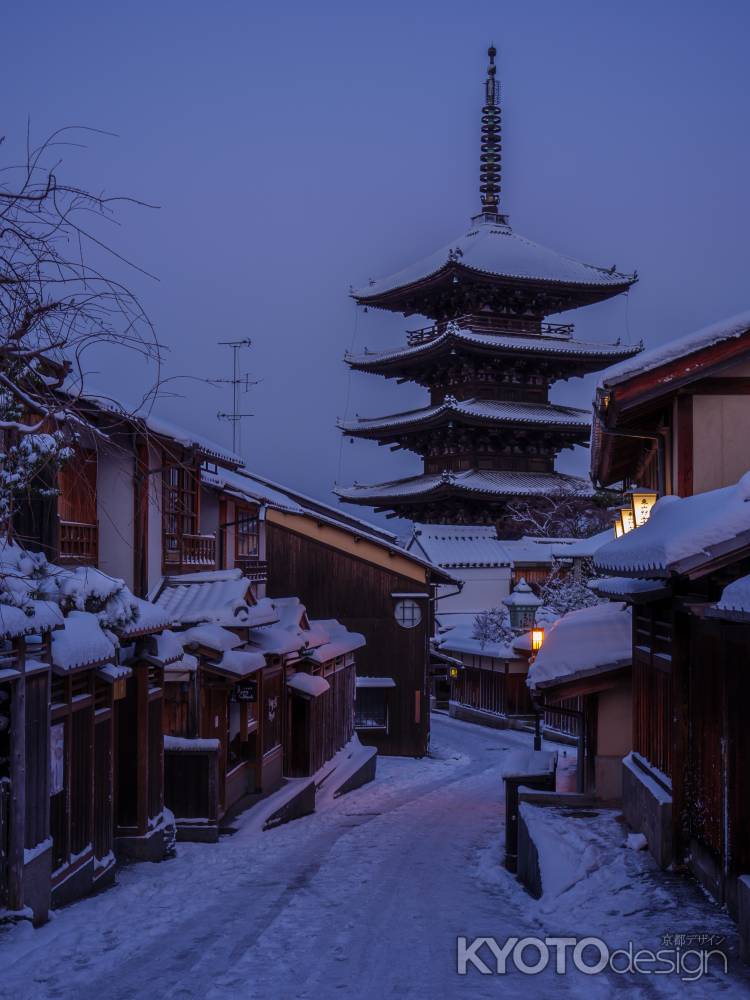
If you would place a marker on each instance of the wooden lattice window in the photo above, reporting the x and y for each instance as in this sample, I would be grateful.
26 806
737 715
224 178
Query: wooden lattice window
180 508
246 534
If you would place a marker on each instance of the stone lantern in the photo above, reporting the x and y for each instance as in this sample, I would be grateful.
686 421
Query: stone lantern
522 605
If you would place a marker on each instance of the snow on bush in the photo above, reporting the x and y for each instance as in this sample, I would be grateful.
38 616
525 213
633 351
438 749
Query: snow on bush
28 576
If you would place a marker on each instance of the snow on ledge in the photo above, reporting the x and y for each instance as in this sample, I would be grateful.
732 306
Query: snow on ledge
180 743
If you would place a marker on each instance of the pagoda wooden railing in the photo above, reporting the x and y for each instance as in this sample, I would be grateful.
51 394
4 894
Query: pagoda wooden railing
425 334
79 543
190 551
253 568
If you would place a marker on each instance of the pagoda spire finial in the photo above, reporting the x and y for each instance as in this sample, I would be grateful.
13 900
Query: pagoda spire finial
491 147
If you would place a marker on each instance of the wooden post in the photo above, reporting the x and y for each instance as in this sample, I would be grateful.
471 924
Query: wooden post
141 748
17 786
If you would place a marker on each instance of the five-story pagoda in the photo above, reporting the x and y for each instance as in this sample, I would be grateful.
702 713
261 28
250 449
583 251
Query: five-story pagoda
490 433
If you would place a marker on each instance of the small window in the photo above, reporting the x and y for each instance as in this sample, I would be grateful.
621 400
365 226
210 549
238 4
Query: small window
371 709
408 613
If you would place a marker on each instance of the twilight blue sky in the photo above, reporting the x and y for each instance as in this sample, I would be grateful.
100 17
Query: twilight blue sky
297 149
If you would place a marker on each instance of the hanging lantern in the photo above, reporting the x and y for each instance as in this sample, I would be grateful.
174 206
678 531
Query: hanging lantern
627 518
522 605
619 531
642 502
537 638
453 673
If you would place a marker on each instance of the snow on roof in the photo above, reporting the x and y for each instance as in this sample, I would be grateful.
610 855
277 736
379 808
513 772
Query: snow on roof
460 639
584 643
493 248
680 532
167 646
35 616
375 682
582 548
482 483
292 633
114 672
488 410
243 485
509 343
150 618
626 586
727 329
164 428
221 596
81 642
340 640
308 684
736 596
456 546
238 663
212 637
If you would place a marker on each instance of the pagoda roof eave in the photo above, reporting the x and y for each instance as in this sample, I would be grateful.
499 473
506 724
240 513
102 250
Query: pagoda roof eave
489 485
483 413
574 353
494 253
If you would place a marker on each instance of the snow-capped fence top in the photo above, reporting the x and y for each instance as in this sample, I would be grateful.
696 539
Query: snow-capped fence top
583 643
82 642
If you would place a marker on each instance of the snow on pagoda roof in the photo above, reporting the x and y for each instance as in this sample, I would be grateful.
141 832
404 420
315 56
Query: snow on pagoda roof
682 533
491 410
488 483
584 643
492 248
465 546
681 347
501 342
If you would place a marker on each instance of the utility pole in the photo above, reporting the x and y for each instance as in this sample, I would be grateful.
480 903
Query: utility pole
236 381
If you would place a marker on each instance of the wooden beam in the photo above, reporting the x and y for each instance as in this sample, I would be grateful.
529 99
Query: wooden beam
684 446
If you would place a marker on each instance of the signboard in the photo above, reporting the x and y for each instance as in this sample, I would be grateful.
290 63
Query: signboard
247 691
57 758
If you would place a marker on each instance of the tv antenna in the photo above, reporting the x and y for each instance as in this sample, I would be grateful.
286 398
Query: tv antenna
237 381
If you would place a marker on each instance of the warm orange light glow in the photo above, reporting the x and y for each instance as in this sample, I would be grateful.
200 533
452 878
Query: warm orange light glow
619 532
537 638
643 501
453 672
628 519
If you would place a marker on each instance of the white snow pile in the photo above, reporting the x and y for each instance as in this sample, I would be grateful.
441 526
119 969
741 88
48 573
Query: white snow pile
636 842
679 528
726 329
564 857
81 642
582 643
736 596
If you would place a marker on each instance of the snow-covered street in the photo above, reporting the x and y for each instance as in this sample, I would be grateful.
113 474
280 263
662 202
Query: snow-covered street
364 899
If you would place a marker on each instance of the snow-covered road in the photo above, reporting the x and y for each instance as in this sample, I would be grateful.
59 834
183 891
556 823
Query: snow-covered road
363 900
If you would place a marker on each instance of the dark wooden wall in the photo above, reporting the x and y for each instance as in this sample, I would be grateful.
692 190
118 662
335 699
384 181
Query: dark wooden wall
334 584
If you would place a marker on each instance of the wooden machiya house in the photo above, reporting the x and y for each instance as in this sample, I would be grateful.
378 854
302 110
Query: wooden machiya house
676 419
686 783
345 569
488 432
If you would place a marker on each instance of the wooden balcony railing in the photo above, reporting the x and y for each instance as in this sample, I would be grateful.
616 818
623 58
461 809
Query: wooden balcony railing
79 543
190 551
479 324
253 568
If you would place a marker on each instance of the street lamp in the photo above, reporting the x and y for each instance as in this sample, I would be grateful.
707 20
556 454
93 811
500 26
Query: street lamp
537 638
